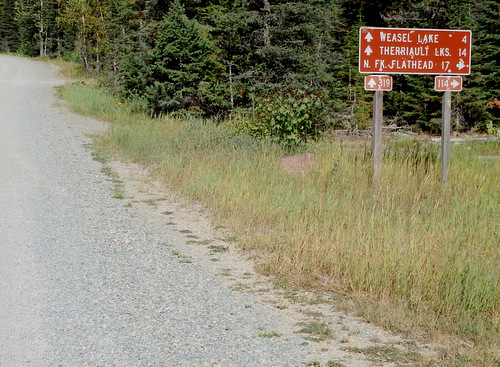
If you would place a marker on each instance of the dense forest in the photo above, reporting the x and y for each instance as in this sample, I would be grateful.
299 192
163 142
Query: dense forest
284 62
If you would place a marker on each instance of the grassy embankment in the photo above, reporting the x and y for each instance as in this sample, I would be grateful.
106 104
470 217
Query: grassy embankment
428 254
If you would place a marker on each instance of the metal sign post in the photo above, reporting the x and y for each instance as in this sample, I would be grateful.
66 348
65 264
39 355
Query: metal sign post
446 84
377 147
379 84
445 137
413 51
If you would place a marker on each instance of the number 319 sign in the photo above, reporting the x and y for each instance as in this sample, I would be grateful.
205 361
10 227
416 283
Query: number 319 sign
378 82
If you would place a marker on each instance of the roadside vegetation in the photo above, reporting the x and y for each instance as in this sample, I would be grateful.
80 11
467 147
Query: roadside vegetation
412 253
211 95
226 58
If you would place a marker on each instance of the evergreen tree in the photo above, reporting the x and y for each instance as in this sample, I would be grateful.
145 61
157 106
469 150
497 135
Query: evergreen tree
217 55
475 106
26 16
9 36
180 71
38 28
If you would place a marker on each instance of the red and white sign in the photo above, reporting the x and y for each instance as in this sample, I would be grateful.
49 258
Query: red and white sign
448 83
378 82
414 51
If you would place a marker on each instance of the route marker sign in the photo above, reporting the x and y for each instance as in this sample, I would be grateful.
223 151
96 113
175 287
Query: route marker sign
414 51
378 82
448 83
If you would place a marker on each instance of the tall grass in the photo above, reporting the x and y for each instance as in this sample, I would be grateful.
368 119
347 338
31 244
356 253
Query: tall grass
411 240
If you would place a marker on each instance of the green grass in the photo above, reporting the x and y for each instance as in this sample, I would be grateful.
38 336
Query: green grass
269 334
318 331
430 249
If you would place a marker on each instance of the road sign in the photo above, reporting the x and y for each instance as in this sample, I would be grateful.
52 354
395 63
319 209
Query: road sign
378 82
448 83
414 51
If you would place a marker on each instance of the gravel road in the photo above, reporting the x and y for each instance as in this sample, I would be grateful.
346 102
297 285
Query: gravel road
90 280
84 281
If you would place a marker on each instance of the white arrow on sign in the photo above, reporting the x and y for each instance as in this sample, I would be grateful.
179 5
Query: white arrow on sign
368 37
454 83
372 83
368 51
461 65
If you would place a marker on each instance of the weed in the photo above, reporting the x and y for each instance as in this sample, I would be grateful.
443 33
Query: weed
270 334
118 187
183 259
334 364
238 286
214 249
225 272
99 156
388 353
319 331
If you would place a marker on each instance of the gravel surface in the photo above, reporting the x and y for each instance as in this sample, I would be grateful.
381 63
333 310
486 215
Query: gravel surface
87 280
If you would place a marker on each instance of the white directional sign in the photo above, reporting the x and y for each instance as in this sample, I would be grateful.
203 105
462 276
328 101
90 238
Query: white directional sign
448 83
378 82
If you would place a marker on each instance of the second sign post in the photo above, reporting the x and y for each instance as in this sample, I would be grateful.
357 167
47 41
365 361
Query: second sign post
413 51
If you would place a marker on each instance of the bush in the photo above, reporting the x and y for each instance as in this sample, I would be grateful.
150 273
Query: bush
288 118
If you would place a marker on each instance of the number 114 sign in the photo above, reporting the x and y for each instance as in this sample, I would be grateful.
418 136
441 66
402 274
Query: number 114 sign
448 83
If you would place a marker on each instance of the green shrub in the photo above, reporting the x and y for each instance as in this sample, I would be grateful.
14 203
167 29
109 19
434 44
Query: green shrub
288 118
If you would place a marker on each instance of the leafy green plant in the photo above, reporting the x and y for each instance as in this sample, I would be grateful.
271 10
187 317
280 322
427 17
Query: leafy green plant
490 129
289 118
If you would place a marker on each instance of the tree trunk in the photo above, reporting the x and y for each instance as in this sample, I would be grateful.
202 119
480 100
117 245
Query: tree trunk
267 26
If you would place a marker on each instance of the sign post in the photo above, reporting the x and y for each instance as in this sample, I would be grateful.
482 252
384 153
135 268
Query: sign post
446 84
445 136
442 52
379 84
377 147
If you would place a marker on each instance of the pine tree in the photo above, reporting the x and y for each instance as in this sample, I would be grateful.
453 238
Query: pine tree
180 71
475 106
9 37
